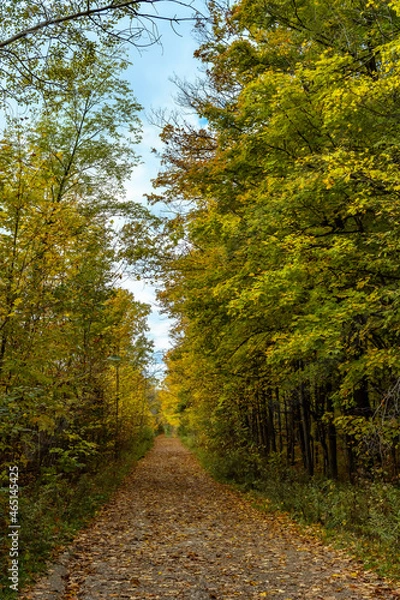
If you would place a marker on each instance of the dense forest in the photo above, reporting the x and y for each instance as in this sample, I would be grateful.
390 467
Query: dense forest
280 266
77 386
284 278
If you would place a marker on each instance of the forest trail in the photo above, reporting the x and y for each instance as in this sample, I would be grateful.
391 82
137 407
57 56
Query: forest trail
171 531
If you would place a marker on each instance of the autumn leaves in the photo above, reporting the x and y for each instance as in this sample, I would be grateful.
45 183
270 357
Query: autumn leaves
62 169
286 291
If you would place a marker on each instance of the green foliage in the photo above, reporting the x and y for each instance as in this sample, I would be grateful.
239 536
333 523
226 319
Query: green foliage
363 518
53 509
285 371
40 41
64 405
284 284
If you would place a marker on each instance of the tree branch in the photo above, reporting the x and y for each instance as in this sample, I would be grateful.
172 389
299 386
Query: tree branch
77 15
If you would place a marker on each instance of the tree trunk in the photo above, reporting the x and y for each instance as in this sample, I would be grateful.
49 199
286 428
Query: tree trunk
305 424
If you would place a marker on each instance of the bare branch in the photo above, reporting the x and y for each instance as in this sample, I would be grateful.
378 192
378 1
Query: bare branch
90 12
73 16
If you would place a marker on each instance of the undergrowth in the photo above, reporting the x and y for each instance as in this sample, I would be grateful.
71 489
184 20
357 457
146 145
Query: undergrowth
364 517
54 509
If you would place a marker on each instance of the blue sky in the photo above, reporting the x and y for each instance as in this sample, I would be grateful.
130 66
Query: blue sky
150 76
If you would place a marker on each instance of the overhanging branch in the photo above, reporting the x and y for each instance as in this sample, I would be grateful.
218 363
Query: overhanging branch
58 20
90 12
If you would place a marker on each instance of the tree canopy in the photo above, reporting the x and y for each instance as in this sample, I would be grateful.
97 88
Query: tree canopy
285 281
35 37
76 386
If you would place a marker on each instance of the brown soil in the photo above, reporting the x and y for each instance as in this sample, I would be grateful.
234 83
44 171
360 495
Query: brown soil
173 532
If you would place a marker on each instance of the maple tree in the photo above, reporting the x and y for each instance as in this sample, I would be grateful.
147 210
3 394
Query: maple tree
285 289
75 360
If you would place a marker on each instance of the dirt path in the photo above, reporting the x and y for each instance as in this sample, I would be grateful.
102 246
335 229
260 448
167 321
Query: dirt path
172 532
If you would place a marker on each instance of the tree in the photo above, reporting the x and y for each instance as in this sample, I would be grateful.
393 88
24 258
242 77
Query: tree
286 281
61 177
37 35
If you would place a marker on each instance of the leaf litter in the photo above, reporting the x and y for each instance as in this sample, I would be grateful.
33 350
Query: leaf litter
171 531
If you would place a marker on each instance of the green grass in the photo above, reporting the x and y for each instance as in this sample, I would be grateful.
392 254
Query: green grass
363 518
52 511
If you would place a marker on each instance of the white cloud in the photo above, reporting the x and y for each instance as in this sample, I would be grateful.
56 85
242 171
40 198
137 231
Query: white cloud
160 331
159 323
